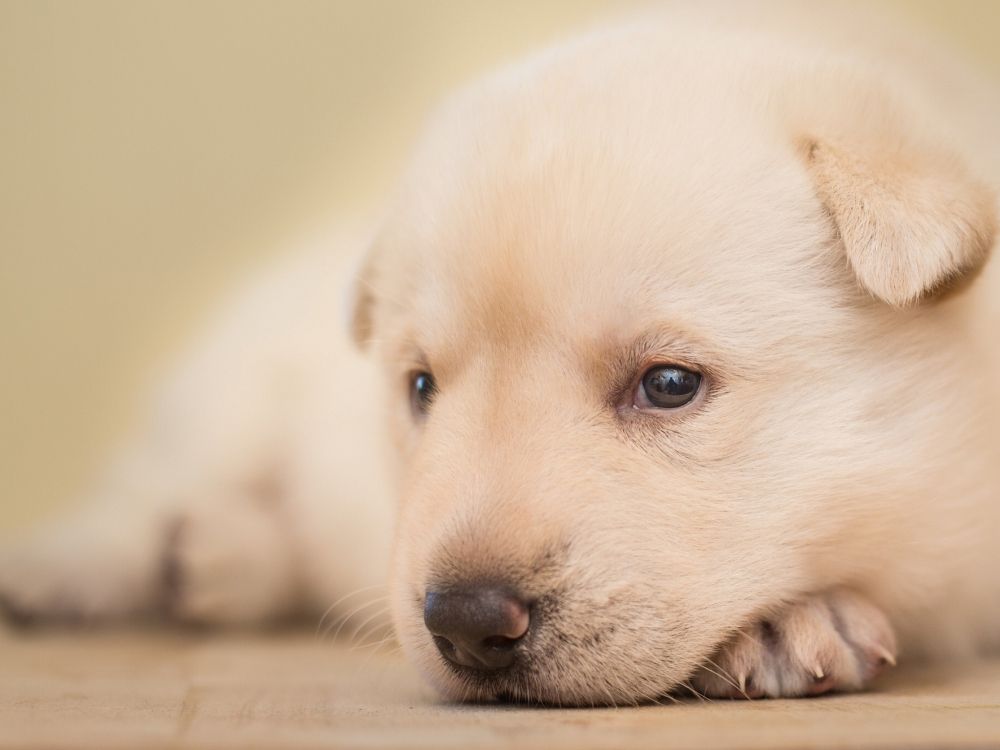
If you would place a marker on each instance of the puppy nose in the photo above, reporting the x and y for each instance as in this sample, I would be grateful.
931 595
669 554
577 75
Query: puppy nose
476 627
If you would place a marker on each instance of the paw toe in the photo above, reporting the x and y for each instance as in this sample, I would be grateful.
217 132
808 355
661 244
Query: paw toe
821 644
15 614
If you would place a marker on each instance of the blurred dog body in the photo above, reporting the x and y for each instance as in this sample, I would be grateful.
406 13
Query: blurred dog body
780 206
256 488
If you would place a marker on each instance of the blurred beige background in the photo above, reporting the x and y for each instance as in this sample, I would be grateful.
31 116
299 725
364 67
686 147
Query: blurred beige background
151 150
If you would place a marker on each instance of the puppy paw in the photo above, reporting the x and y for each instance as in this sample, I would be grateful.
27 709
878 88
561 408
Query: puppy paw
836 641
75 573
228 566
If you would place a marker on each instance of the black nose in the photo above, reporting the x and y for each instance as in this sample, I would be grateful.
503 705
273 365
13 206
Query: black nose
476 627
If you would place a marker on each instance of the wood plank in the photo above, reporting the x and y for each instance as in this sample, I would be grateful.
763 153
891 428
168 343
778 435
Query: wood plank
293 690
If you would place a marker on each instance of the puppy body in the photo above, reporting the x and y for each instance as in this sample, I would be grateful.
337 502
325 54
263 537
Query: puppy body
782 206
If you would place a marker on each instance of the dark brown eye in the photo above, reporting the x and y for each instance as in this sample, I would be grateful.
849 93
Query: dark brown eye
422 392
667 387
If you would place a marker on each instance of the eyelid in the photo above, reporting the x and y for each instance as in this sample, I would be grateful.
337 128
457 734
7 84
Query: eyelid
665 348
414 361
628 414
662 348
706 377
643 357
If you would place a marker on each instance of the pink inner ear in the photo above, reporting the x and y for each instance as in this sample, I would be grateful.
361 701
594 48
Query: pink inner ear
910 222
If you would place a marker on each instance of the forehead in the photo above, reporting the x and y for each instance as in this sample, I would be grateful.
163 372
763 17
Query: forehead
541 215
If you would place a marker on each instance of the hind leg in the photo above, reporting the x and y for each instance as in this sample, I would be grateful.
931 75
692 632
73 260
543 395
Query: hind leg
225 562
96 564
239 499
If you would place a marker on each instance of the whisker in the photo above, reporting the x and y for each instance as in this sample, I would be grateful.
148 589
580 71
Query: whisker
722 674
373 649
341 622
700 696
341 600
381 612
751 638
374 645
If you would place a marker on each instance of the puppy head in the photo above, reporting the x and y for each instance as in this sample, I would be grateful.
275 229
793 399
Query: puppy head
653 372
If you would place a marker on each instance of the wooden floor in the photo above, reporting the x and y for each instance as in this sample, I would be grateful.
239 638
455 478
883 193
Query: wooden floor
160 690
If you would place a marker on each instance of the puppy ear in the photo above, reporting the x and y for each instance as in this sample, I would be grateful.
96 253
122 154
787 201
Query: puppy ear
911 220
361 304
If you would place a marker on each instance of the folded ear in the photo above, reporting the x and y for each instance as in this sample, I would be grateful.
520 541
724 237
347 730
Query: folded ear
361 303
911 220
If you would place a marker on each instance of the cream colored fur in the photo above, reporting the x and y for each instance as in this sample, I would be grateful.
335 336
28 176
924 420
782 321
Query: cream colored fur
771 198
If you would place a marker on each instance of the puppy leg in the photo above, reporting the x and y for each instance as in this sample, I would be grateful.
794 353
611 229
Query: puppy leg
227 564
836 641
97 564
106 561
230 563
197 515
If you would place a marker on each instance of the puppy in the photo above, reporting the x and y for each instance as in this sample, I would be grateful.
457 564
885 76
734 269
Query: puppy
685 337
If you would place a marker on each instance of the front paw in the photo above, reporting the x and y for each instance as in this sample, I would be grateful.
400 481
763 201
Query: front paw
837 641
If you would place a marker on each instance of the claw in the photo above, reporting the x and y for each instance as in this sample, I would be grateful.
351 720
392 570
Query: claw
885 655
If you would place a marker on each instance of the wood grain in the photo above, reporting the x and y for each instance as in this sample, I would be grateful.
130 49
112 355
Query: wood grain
175 690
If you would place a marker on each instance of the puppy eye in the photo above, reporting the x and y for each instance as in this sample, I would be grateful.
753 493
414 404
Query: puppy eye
422 392
667 387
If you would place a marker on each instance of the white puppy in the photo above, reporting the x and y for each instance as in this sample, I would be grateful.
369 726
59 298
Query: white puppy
687 343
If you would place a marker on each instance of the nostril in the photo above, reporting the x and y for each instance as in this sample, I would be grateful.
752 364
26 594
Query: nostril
500 642
446 647
514 620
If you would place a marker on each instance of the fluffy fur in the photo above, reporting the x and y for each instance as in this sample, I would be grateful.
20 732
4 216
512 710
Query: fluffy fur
781 204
